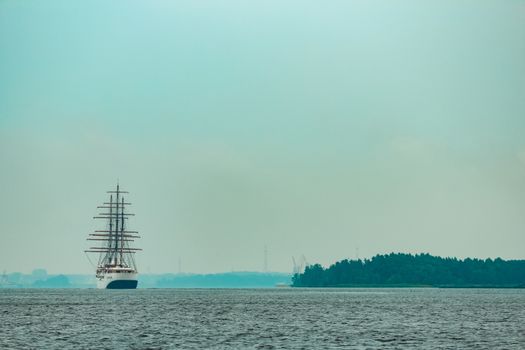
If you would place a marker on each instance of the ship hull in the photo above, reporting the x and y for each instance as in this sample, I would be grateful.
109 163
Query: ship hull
122 284
117 281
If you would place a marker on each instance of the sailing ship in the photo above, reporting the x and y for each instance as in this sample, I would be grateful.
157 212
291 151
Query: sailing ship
116 268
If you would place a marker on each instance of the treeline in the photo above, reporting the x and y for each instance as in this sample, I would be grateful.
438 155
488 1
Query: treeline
414 270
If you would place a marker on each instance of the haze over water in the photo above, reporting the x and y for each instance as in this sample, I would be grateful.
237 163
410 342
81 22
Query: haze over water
309 127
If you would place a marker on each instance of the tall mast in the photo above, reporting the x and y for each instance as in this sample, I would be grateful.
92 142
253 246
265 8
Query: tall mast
117 231
122 232
110 226
116 250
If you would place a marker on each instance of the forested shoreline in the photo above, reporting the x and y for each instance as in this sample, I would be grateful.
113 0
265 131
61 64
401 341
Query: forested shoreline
420 270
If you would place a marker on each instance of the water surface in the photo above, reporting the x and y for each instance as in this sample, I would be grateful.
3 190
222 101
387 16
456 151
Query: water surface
262 318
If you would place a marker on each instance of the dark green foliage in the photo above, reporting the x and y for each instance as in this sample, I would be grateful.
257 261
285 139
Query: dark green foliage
415 270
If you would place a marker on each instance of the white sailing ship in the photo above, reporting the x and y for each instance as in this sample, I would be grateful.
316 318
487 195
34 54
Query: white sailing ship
116 268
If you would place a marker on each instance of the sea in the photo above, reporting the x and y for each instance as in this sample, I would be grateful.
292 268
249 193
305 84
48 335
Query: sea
280 318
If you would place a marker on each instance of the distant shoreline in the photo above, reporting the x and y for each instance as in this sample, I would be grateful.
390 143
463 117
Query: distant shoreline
416 286
40 279
414 271
270 287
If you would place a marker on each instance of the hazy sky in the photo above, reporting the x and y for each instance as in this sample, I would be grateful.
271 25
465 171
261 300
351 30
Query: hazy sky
311 127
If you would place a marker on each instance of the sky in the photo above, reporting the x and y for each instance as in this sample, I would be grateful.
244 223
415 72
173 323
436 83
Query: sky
332 130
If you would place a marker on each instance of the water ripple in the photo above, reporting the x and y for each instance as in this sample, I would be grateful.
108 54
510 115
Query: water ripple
263 319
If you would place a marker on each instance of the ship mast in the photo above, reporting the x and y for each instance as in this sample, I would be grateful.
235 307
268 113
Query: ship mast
122 233
116 229
116 251
110 220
